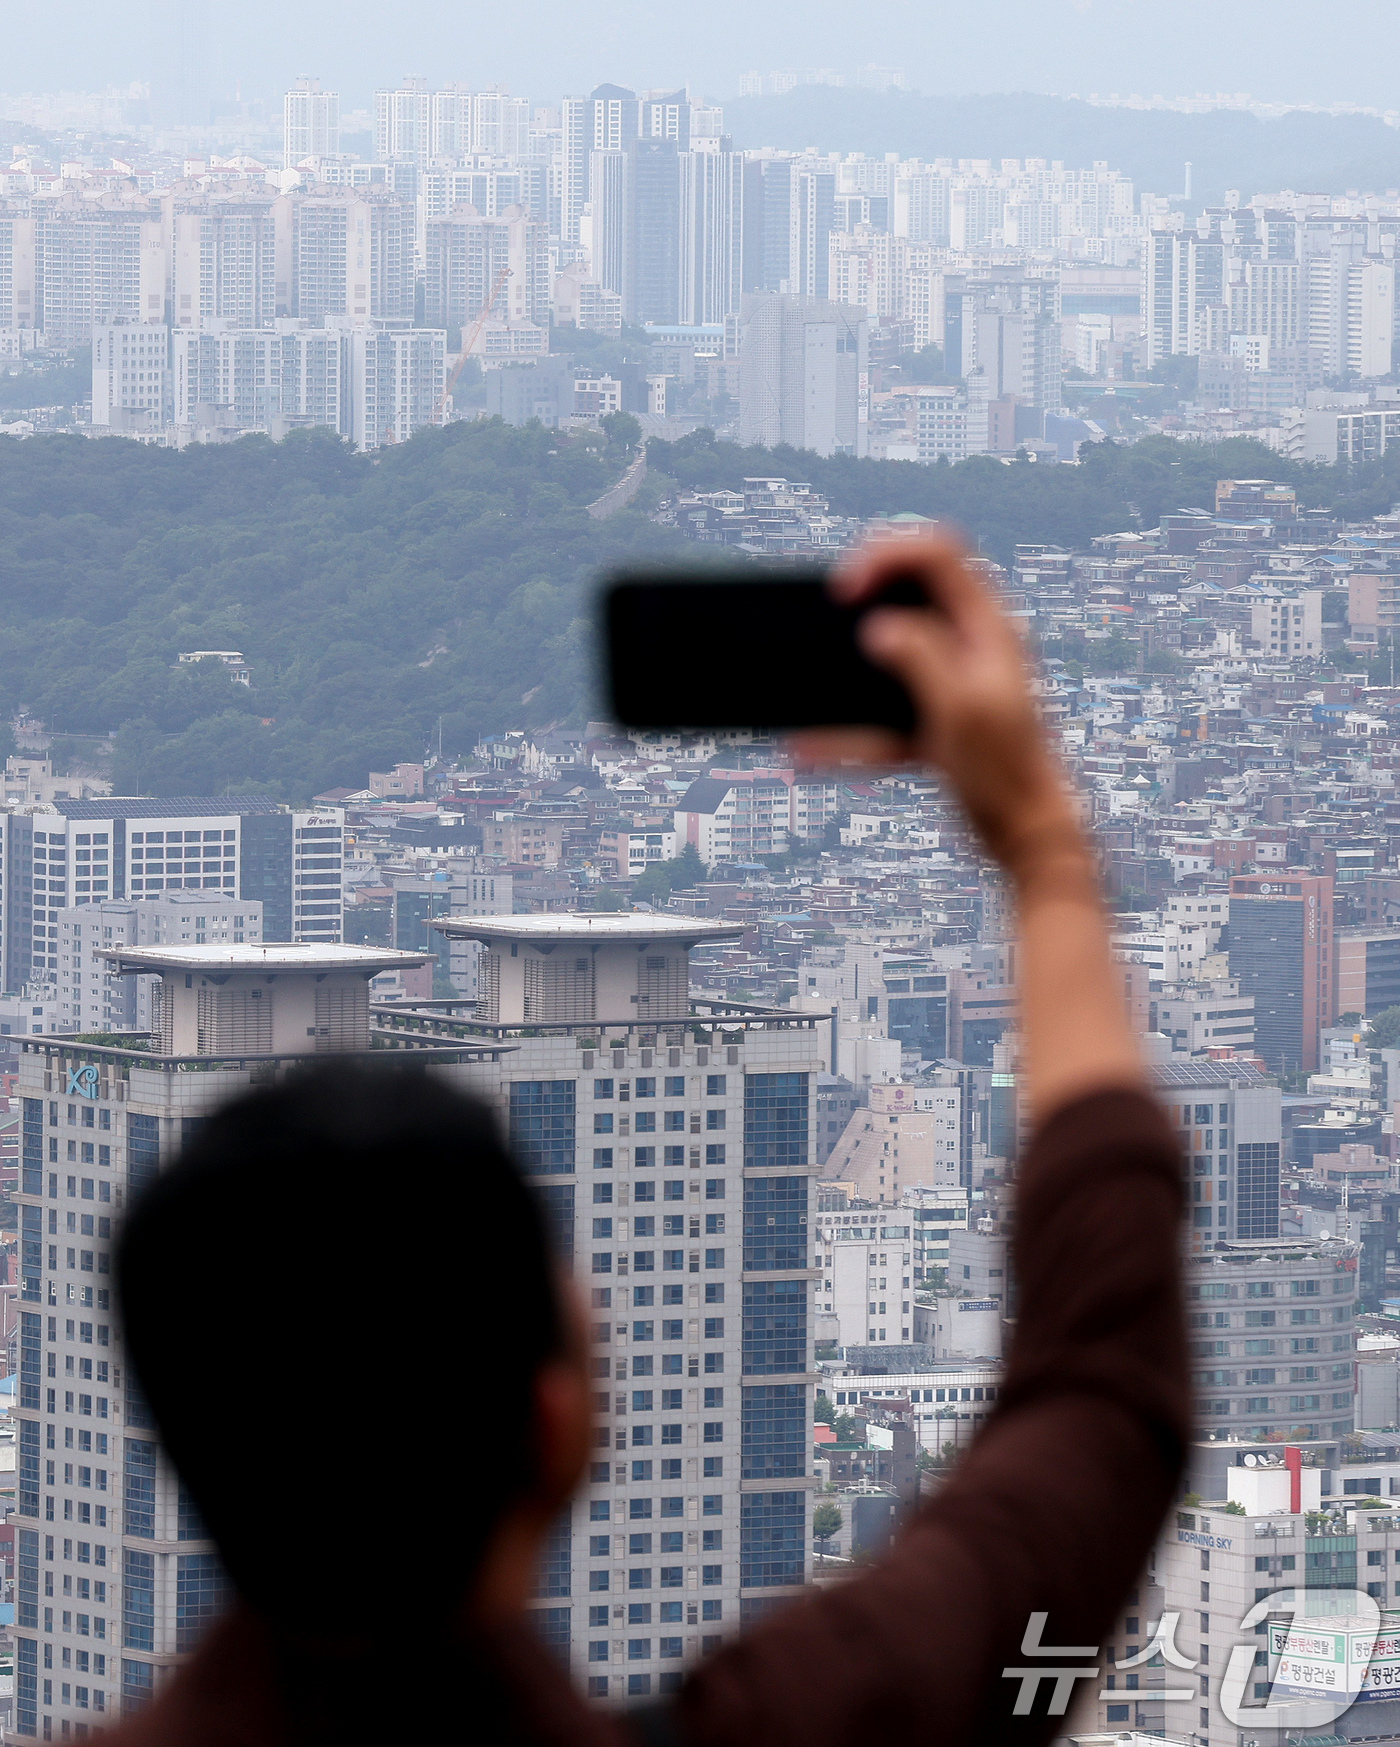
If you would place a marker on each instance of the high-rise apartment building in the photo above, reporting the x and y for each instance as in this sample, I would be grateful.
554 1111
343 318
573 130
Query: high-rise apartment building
464 255
222 254
234 846
96 261
352 252
419 125
403 123
116 1577
1282 951
673 1149
398 376
263 379
310 123
18 306
131 383
492 188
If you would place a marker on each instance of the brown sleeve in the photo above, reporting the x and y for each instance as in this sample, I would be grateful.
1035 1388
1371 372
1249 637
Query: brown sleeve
1054 1508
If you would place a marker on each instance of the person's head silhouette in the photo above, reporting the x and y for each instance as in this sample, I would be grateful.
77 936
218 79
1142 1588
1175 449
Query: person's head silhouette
341 1304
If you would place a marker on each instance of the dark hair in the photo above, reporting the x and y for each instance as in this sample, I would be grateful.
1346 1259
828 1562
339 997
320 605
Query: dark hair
310 1294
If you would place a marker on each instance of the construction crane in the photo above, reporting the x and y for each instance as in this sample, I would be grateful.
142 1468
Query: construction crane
469 339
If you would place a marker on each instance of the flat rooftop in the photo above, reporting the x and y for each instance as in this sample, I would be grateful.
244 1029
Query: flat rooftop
275 958
608 927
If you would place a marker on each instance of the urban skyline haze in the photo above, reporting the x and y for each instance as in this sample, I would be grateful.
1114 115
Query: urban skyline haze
545 50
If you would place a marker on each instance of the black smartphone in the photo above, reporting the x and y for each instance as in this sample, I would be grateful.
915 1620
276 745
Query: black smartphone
761 647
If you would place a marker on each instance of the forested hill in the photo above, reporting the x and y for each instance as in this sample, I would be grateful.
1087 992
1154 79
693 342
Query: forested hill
446 578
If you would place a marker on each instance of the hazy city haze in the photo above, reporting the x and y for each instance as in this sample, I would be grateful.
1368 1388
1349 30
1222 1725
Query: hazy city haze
542 49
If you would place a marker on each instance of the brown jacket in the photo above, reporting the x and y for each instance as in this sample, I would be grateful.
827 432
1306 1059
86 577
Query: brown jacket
1053 1510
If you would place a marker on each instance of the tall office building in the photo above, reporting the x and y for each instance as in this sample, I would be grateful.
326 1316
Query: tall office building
711 235
353 253
1280 1355
116 1578
310 122
1229 1122
607 120
673 1149
803 379
651 273
1282 950
236 846
222 255
789 209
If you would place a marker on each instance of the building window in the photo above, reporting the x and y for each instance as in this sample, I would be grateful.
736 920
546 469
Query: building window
542 1124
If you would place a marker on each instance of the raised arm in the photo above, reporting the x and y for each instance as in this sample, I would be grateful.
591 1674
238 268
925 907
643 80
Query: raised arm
962 664
1056 1505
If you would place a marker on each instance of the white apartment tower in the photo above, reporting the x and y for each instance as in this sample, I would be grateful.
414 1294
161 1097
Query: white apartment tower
397 378
352 252
465 254
130 376
671 1143
310 123
223 256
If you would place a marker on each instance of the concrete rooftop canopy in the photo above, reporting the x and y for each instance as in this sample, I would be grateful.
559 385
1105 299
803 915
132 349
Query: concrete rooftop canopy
274 959
606 928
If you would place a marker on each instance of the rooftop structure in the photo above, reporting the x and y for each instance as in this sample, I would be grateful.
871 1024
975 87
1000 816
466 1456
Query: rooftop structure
224 999
563 969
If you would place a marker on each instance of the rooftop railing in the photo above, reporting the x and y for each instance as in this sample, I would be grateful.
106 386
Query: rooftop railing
708 1022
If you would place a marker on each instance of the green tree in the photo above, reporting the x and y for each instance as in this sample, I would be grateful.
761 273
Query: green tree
659 879
826 1522
1384 1032
607 898
1115 654
823 1414
691 870
623 430
845 1428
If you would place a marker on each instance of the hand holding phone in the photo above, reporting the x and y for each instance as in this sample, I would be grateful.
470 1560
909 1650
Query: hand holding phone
761 647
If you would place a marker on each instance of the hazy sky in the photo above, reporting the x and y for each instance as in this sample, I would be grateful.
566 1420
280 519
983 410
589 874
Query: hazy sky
1276 49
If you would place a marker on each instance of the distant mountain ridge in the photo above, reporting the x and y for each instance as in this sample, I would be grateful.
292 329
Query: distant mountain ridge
1326 154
